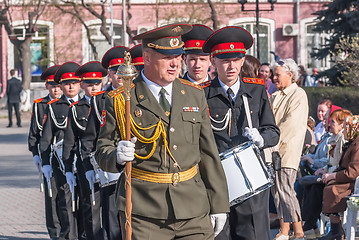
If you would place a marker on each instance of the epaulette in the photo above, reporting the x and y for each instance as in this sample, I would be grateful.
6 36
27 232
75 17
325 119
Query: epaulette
206 84
38 100
253 80
74 103
54 100
117 91
98 93
189 83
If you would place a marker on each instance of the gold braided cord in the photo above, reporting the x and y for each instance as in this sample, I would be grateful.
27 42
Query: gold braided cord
119 106
152 45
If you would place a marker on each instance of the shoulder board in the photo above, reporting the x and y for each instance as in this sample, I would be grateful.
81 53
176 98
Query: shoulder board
98 93
206 84
54 100
74 103
189 83
38 100
118 91
253 80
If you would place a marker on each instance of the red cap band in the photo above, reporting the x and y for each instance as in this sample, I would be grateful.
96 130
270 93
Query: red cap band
68 75
137 61
50 78
193 44
90 75
228 48
115 62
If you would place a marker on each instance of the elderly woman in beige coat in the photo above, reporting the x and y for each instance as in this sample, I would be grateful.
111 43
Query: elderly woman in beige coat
290 108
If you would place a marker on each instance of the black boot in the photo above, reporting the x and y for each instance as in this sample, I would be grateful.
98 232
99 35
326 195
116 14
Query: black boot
336 232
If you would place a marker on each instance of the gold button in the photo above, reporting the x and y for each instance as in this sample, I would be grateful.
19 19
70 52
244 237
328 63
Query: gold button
217 116
142 97
175 179
183 92
251 111
139 124
174 147
172 129
193 119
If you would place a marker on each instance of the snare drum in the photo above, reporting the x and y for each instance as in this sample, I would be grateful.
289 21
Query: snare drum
245 171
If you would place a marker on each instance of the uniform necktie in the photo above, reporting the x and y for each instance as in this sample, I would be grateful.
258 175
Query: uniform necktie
164 102
229 94
71 101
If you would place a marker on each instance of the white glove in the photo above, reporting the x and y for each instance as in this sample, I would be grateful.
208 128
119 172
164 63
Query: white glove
71 180
47 170
37 162
90 176
126 151
218 220
253 135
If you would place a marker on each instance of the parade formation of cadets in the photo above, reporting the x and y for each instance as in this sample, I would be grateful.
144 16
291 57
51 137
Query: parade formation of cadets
81 200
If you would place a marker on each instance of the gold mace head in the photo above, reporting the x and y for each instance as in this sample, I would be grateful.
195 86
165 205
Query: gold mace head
127 72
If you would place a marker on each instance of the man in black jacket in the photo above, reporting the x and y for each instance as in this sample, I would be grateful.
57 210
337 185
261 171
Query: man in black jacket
13 91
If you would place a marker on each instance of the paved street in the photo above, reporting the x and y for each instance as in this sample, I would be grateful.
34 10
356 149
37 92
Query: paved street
21 202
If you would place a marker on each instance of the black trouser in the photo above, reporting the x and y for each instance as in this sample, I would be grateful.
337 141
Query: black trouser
249 220
17 113
312 204
68 219
110 214
51 210
90 215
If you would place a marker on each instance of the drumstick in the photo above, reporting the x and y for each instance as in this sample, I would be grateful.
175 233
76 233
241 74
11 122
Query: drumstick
93 195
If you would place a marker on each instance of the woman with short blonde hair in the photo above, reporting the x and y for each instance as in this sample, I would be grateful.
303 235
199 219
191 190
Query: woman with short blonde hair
290 108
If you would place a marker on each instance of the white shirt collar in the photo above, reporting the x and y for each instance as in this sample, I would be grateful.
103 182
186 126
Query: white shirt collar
88 98
197 83
235 88
51 98
76 98
155 89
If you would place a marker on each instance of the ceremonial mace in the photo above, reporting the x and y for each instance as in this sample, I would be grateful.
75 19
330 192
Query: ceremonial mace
126 71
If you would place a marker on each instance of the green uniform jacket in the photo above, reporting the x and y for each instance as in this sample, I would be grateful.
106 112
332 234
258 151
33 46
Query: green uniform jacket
191 142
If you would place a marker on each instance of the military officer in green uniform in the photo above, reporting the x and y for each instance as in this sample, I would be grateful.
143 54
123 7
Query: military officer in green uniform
179 189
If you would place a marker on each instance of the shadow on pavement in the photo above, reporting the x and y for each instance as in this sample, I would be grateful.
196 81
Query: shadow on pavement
3 237
17 138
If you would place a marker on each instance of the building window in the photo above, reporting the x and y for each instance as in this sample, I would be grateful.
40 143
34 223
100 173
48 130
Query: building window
266 40
99 40
314 41
39 46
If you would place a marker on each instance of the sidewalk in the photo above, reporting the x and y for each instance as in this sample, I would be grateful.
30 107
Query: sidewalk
21 202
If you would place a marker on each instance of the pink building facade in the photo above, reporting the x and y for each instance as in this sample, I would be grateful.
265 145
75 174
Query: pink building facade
61 38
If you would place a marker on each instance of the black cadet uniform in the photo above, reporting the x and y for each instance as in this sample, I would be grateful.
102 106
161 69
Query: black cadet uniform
37 118
249 219
193 42
110 218
91 72
55 122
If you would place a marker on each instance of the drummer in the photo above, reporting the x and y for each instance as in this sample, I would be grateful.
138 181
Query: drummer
227 46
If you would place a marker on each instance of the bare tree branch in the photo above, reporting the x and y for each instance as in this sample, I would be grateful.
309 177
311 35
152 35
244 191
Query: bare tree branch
214 16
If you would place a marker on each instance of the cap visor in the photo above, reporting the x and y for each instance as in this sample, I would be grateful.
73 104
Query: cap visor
70 81
139 67
196 51
92 81
230 55
52 83
172 52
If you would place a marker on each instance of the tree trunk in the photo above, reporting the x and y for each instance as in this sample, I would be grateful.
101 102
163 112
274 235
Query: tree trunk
25 57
